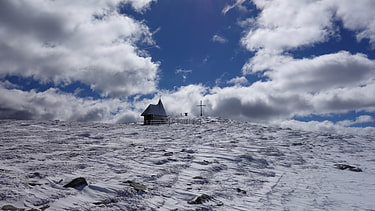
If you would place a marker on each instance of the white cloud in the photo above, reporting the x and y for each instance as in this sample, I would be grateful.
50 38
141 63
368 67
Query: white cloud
140 5
358 17
219 39
183 100
288 24
324 72
238 81
227 8
345 99
52 104
326 127
358 120
323 84
90 42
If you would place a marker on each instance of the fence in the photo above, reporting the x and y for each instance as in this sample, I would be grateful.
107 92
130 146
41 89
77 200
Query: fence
156 122
173 121
185 121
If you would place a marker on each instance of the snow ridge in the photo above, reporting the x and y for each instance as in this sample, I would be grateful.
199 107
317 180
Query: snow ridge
217 165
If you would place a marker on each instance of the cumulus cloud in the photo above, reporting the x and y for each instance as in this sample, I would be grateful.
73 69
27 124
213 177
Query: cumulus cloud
238 81
183 100
140 5
333 83
328 71
358 120
283 25
51 104
90 42
54 104
287 24
326 127
358 17
337 82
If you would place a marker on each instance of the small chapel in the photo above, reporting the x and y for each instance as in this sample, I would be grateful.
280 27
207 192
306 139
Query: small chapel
155 114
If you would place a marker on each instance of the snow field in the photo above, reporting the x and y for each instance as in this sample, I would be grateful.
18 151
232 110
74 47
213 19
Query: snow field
217 165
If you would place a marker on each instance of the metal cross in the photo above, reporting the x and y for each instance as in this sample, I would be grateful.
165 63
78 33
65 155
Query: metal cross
201 105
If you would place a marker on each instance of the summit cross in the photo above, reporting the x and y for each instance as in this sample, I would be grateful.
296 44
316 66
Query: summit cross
201 105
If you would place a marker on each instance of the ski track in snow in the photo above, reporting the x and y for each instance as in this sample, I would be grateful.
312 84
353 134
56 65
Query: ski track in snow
241 166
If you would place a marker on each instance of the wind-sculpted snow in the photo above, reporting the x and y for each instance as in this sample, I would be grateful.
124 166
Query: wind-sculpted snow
216 165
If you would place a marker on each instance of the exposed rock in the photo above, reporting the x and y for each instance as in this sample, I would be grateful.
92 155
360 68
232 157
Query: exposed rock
84 135
168 154
32 183
204 198
349 167
35 175
200 199
44 207
11 208
187 150
105 202
199 180
239 190
137 186
77 183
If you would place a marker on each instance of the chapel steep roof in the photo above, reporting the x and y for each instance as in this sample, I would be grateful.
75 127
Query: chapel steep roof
157 109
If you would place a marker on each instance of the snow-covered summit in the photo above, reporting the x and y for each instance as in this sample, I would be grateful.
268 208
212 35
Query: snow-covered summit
216 165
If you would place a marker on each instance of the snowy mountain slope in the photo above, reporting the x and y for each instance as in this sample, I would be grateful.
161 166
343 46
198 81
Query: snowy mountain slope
217 165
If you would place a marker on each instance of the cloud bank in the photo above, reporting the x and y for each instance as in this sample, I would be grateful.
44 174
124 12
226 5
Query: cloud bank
90 42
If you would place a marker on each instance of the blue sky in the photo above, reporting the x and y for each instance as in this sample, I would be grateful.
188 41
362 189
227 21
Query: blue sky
304 64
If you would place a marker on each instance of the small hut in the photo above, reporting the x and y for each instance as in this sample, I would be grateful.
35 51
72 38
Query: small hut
155 114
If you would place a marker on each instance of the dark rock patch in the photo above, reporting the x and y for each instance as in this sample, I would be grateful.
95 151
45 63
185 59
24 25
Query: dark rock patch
187 151
11 208
77 183
200 199
35 175
239 190
161 162
349 167
35 184
86 135
137 186
105 202
199 180
168 154
44 207
204 198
